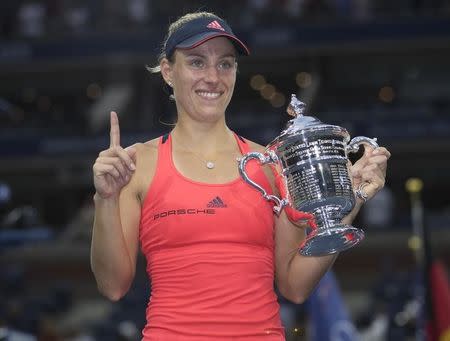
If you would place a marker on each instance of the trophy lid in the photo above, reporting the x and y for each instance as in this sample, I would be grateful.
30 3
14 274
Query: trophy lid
303 124
296 109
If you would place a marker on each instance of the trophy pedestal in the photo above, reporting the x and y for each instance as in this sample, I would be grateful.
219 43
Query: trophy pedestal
331 240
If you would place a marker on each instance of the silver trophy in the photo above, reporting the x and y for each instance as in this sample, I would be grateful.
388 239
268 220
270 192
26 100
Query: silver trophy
312 160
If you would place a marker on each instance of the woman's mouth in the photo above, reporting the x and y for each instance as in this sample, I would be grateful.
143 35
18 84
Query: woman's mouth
209 94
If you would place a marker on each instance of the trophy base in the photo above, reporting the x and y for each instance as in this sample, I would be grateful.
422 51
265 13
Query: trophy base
330 241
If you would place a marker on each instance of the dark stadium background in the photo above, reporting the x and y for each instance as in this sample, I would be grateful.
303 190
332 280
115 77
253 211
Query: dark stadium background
378 68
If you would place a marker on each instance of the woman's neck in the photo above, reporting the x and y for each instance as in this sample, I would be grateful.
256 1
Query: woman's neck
204 137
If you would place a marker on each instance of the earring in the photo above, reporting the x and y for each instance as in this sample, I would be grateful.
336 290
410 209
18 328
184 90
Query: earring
171 96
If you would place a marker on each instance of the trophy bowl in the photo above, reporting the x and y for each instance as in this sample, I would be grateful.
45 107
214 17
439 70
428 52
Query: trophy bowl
311 160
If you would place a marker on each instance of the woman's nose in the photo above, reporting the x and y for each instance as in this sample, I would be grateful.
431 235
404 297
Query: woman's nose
212 74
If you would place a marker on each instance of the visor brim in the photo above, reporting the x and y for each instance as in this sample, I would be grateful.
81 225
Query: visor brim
201 38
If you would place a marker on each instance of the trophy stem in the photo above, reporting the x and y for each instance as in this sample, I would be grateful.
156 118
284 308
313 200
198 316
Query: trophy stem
331 235
326 216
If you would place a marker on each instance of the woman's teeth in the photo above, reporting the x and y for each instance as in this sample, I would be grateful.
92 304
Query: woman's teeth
209 95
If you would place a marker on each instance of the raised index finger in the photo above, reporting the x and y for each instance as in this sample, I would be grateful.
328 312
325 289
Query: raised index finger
114 133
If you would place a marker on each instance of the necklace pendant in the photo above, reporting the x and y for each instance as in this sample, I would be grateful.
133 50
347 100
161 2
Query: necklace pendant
210 165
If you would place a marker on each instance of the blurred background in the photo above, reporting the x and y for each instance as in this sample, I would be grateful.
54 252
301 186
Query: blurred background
377 68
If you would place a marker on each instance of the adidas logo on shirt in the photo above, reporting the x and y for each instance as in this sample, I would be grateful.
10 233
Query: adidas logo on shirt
216 203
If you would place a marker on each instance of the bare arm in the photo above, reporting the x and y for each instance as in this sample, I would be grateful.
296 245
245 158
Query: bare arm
296 275
117 213
115 242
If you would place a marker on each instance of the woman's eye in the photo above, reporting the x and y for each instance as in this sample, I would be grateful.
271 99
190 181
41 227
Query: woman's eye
225 65
197 63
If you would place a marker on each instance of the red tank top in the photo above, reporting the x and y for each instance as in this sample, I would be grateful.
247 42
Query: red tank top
210 257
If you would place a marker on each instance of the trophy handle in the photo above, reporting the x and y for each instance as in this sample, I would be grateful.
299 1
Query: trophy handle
269 157
356 142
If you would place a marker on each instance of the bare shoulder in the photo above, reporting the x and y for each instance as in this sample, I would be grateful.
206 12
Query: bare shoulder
256 147
146 159
153 143
145 151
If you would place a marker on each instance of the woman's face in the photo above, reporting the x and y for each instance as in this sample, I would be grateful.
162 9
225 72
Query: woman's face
203 79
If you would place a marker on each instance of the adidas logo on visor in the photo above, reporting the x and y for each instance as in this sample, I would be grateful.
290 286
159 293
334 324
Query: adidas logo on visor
215 24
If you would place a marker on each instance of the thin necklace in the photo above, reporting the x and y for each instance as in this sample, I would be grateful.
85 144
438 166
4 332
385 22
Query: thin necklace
210 164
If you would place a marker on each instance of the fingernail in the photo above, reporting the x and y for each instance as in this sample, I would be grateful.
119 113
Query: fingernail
132 166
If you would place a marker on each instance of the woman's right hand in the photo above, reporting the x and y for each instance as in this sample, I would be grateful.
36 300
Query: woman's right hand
114 166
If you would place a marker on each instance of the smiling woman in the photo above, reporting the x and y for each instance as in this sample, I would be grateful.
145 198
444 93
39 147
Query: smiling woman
202 79
213 245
